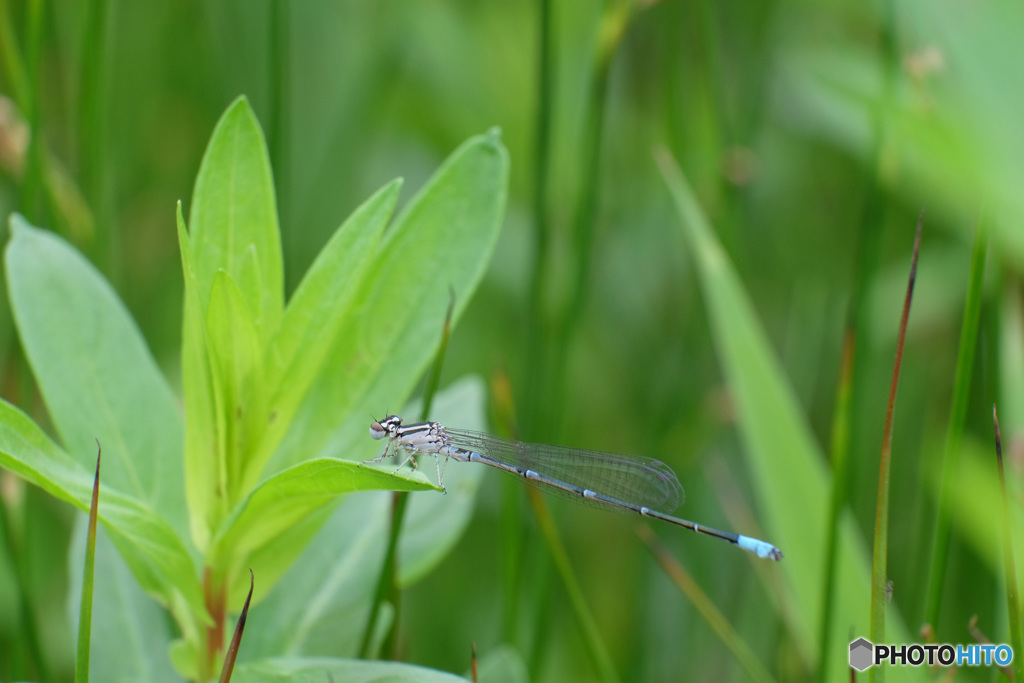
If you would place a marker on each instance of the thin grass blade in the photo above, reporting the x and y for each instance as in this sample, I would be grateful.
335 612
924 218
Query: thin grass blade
958 416
1009 569
85 612
879 579
591 635
748 660
236 639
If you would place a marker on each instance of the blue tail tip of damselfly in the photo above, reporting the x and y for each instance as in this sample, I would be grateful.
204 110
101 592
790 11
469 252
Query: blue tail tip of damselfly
759 548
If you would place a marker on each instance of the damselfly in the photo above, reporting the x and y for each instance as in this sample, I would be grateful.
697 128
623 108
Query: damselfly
641 485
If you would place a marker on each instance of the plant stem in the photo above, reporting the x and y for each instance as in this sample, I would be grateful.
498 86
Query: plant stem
591 635
541 242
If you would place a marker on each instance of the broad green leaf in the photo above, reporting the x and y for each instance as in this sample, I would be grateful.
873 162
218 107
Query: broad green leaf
441 243
236 363
203 440
322 306
786 464
155 553
320 606
318 670
131 633
234 215
95 372
288 497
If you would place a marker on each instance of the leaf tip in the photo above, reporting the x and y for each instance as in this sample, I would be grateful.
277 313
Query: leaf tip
19 225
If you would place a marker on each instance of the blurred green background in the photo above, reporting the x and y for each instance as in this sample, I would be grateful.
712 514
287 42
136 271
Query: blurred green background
812 134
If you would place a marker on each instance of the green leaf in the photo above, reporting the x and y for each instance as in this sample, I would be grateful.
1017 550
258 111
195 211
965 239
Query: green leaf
443 240
323 299
786 464
88 584
236 358
95 372
320 308
234 218
320 606
319 670
288 497
234 237
131 633
155 553
203 440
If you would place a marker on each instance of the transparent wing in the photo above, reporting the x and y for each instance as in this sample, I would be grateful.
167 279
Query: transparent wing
642 481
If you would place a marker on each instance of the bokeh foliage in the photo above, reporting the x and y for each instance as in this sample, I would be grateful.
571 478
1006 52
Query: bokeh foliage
811 134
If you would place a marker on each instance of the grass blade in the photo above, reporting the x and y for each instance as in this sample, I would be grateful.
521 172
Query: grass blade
85 612
541 226
1012 596
958 416
840 484
591 635
236 639
878 566
93 95
718 623
503 408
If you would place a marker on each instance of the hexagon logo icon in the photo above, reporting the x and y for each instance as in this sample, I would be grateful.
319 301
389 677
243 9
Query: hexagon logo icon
861 651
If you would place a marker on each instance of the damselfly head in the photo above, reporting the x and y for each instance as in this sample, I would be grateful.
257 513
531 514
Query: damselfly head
386 427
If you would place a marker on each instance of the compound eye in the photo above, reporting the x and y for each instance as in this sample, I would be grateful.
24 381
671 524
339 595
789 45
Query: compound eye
377 431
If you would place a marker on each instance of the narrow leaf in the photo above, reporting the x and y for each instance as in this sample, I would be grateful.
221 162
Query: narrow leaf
131 632
205 489
1009 568
323 299
234 212
957 419
879 565
85 613
236 357
320 309
236 638
288 497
